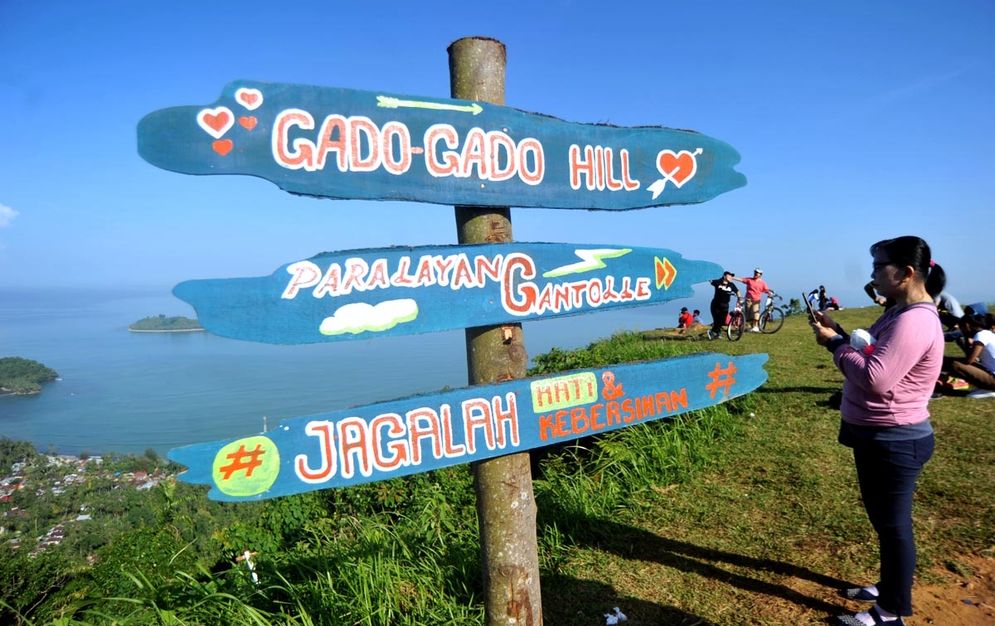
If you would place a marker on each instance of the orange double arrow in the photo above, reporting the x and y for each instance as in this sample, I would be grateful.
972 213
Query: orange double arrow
665 272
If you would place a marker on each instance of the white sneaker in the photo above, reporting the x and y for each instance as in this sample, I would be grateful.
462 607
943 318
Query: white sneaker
977 394
754 330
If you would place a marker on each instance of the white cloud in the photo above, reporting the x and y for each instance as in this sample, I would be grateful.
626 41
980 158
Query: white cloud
7 214
361 317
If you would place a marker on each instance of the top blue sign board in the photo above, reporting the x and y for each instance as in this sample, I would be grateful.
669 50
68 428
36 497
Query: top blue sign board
344 143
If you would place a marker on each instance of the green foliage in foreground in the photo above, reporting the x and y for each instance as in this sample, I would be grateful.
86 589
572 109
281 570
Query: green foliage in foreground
23 376
161 322
403 551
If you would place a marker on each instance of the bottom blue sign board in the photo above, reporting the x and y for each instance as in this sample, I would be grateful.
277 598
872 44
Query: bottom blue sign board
427 432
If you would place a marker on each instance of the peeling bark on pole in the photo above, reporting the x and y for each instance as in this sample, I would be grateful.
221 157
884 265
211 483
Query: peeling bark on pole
506 507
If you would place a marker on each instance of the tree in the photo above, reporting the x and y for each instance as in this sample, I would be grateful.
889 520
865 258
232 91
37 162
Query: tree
14 452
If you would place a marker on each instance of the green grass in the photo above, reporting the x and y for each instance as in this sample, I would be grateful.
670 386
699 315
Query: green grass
746 513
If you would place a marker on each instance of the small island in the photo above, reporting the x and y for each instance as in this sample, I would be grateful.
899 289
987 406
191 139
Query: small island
22 377
163 324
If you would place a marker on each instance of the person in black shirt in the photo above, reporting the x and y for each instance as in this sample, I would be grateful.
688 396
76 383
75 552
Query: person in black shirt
724 289
819 299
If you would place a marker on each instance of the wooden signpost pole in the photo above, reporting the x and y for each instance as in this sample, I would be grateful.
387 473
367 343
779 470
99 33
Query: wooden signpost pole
506 507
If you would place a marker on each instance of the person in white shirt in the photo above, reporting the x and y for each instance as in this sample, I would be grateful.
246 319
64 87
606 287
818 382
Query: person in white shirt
978 367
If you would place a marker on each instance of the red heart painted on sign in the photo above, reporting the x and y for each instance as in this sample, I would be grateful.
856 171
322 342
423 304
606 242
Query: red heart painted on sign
678 168
216 122
248 122
249 98
223 146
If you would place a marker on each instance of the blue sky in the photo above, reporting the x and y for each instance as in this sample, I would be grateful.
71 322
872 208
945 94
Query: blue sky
855 120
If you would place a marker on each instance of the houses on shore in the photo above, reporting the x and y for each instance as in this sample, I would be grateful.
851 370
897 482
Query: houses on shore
62 481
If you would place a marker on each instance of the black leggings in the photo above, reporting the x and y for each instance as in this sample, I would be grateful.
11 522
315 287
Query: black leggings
719 312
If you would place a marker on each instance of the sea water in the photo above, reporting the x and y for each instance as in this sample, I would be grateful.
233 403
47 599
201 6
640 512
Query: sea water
120 391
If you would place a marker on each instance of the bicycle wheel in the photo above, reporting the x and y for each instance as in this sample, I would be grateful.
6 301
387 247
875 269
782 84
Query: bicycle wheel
771 321
735 329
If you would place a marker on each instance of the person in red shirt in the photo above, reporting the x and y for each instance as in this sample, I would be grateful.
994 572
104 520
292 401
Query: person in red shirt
755 289
685 320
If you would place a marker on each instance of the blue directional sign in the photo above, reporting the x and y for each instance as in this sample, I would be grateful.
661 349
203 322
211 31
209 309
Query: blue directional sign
358 294
344 143
422 433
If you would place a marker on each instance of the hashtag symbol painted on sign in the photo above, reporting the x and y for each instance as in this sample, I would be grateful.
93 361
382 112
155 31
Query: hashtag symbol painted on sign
721 377
238 464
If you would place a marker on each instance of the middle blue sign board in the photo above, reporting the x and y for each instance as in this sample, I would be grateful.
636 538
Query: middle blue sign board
357 294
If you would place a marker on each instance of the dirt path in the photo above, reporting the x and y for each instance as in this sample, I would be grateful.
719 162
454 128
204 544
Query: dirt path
962 599
966 598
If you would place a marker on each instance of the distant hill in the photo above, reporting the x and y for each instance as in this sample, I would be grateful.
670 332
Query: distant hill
163 324
23 376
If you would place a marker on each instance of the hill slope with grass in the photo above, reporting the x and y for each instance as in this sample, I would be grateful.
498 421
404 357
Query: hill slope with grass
746 513
773 525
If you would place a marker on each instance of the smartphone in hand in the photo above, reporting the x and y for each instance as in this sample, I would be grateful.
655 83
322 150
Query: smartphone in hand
808 305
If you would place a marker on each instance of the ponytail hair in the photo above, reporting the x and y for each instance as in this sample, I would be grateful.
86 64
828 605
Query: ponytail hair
936 280
914 251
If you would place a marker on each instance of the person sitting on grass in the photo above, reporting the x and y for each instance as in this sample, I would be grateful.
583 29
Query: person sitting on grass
695 318
684 321
950 309
819 298
977 367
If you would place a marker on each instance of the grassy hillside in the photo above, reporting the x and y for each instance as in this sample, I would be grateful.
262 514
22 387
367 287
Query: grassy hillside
773 525
746 513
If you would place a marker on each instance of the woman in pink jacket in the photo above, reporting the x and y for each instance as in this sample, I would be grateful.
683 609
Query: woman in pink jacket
885 419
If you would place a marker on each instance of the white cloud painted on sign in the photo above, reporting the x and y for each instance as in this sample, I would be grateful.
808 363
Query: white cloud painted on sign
361 317
7 215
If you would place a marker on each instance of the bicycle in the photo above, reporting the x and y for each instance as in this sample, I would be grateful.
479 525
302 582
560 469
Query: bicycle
736 322
772 317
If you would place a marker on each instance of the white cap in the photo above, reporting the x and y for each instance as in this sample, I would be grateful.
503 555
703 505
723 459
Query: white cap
757 270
